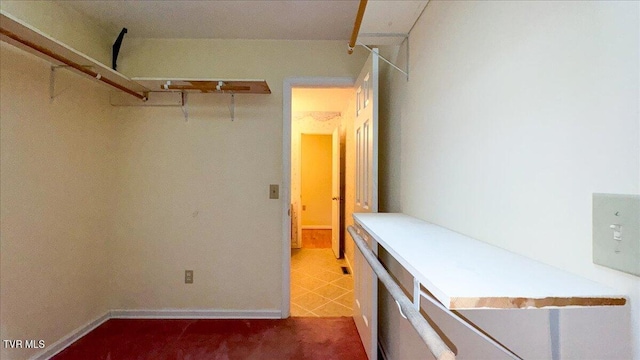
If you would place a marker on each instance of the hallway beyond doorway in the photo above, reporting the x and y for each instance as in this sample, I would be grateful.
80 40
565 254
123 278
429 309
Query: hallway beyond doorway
316 238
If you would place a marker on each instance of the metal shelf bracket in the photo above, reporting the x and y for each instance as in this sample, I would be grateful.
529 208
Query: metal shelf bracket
232 107
52 79
185 109
406 73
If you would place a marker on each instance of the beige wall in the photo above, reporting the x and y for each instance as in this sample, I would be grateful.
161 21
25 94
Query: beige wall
194 195
128 198
64 24
57 176
316 180
515 113
392 94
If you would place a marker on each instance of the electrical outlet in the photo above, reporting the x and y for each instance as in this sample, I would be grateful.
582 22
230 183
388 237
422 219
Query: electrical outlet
274 191
188 276
616 232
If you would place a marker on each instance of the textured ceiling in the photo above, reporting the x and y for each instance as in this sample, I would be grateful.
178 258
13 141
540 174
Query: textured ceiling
249 19
289 20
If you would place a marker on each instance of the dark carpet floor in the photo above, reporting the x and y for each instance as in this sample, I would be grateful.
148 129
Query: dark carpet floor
293 338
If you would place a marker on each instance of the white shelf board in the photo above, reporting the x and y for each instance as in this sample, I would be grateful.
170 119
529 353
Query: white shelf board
256 86
35 36
464 273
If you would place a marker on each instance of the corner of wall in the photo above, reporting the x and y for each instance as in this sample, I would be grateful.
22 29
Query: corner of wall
392 93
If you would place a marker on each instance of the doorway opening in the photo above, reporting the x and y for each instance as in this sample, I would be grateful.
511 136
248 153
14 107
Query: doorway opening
319 283
315 198
361 194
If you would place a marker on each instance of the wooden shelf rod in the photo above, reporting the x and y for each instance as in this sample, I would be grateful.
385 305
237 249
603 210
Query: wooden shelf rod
356 25
70 63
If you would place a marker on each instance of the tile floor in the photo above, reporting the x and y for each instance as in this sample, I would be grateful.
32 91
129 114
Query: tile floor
318 286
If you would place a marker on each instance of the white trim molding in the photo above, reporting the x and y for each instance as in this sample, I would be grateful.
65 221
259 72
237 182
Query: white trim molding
195 314
316 227
346 259
64 342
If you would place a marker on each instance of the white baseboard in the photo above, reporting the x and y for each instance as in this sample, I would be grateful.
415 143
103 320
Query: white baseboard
64 342
196 314
346 259
316 227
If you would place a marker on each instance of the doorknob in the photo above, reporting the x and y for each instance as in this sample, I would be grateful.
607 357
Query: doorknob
336 198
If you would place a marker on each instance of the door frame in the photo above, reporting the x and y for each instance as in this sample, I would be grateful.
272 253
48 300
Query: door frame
287 86
337 194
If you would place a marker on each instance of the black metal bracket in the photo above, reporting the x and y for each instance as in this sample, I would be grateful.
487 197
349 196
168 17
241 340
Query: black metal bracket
116 48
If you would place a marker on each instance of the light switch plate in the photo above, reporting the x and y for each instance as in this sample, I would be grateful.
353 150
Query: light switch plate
617 216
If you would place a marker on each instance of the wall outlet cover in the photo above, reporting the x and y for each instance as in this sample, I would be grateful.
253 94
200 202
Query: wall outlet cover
188 276
616 232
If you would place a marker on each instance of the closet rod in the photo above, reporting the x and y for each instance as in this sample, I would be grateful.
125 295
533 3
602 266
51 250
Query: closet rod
435 344
70 63
356 26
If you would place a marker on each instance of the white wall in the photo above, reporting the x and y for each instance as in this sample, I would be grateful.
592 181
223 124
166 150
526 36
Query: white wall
515 113
57 182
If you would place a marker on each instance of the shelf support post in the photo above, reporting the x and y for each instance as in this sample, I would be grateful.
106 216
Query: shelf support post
416 294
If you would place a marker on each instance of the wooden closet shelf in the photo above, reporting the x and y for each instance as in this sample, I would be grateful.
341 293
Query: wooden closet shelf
226 86
30 39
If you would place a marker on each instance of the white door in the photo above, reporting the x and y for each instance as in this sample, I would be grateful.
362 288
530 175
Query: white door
336 198
366 197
